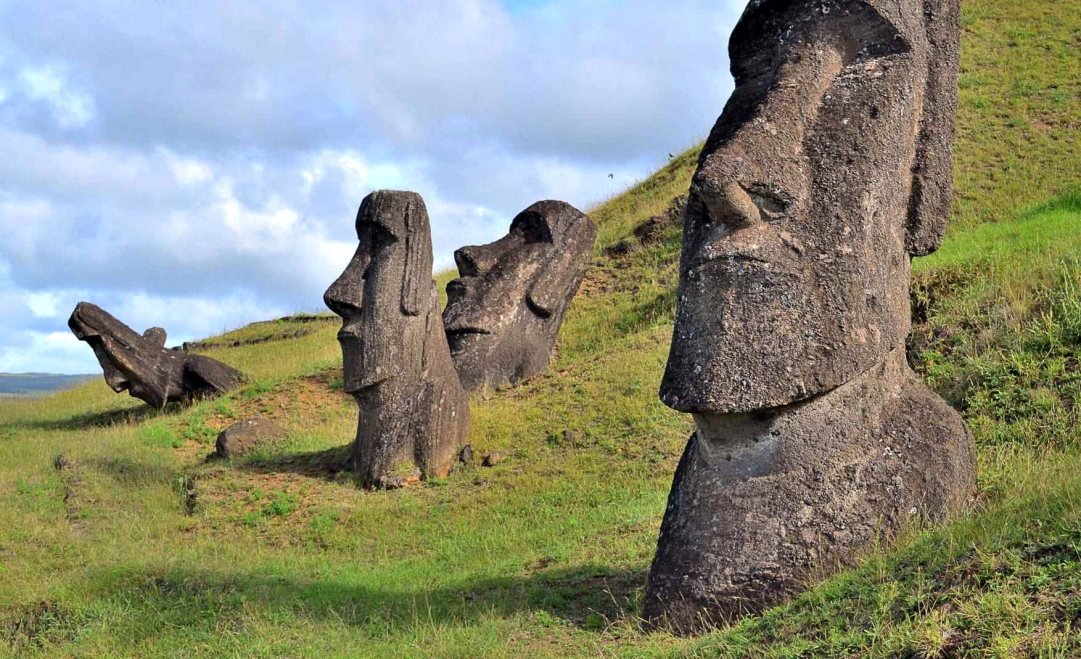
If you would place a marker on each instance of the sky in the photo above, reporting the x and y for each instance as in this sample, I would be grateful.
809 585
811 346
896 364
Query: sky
198 165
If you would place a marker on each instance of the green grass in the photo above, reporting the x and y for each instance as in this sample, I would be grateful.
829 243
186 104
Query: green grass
138 546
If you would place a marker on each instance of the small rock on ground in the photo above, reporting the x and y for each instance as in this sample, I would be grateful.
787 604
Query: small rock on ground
247 436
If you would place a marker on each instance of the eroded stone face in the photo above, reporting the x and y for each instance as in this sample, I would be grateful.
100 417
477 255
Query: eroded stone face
505 310
794 271
827 170
140 364
414 414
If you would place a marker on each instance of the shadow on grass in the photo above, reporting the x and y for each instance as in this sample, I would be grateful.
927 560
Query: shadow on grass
129 472
91 420
327 464
588 597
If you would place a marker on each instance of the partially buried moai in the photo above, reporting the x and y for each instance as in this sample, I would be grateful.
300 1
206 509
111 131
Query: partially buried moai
140 364
414 414
505 310
828 169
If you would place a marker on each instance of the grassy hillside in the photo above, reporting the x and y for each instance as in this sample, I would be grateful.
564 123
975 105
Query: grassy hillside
133 544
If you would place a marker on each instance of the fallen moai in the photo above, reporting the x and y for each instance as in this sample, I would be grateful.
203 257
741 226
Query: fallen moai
140 364
505 309
828 169
414 414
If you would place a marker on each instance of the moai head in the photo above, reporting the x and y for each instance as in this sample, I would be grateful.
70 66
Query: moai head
384 294
140 364
827 170
130 361
505 310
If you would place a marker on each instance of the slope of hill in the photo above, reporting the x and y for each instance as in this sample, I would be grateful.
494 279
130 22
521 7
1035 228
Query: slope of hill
133 544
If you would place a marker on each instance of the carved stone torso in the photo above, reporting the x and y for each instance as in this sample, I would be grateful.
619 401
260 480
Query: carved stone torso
414 414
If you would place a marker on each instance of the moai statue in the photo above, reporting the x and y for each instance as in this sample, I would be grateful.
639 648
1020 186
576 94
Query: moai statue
828 169
414 414
505 310
140 364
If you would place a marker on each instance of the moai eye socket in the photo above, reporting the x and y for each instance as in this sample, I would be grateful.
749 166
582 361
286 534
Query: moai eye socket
533 228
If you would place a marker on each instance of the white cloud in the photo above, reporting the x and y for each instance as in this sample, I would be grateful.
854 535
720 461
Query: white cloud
199 165
188 171
43 305
58 351
69 108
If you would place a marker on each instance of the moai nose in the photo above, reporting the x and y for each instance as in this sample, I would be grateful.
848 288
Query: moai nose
346 293
727 203
475 260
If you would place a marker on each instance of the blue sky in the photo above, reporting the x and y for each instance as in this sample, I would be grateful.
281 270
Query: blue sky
198 165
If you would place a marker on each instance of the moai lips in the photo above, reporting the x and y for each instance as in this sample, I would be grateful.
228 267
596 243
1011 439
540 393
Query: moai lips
505 310
140 364
828 169
414 414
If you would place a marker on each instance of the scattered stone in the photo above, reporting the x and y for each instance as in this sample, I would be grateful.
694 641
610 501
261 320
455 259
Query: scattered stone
397 364
191 495
505 310
391 483
814 438
248 436
492 459
466 456
142 366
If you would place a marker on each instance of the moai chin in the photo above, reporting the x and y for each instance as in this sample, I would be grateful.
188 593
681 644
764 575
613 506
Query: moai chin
505 310
140 364
827 171
414 414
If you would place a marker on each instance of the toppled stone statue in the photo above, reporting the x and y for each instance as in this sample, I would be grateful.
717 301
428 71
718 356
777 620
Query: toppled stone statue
414 414
828 169
142 366
505 310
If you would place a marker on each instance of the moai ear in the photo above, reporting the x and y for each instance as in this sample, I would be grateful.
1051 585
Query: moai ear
551 286
932 171
417 277
559 278
156 336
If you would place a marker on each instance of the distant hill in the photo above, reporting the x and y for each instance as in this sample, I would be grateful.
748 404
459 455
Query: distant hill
38 384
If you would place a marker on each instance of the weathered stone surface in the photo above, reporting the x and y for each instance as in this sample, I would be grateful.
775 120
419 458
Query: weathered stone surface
828 169
413 410
247 436
505 310
142 366
763 501
466 455
493 458
830 157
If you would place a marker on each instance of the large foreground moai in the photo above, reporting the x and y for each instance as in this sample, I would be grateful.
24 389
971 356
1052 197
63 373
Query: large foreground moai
414 413
505 310
140 364
828 169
